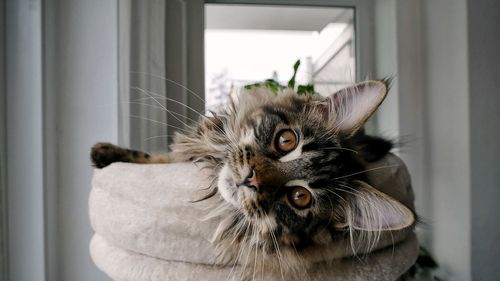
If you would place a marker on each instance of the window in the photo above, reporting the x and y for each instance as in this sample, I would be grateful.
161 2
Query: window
171 49
245 44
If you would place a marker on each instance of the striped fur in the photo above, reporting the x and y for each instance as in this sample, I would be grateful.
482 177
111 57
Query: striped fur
260 229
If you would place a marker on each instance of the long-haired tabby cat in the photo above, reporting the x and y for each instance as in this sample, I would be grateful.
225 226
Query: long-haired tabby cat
289 174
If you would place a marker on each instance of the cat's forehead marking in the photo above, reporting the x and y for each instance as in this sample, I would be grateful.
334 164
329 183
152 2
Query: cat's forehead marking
257 116
247 137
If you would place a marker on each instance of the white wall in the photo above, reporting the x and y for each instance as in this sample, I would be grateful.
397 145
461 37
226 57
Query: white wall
386 64
484 88
24 140
447 102
61 77
398 52
85 86
81 103
4 265
448 134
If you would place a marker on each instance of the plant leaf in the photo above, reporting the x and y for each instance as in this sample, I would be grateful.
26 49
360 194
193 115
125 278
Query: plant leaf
305 89
291 82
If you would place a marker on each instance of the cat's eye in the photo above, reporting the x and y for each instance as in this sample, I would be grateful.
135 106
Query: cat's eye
300 197
286 141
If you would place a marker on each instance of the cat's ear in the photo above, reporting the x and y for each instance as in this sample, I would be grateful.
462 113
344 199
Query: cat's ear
371 210
350 107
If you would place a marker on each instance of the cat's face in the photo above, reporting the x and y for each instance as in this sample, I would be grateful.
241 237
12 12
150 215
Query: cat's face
281 167
287 171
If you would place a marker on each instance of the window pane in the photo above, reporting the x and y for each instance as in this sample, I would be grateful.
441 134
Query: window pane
245 44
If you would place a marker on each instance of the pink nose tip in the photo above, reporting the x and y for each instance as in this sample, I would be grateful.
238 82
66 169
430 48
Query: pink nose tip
251 180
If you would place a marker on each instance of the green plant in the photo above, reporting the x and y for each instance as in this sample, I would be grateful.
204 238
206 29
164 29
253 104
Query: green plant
275 86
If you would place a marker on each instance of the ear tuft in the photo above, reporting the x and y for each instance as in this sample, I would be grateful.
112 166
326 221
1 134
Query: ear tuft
350 107
372 210
387 81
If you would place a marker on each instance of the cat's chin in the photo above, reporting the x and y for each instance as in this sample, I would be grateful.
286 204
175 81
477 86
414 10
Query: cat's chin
227 187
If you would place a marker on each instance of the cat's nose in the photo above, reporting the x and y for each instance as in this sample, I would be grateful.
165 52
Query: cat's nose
250 180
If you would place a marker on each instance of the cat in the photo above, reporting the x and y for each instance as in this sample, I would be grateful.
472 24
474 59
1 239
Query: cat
288 170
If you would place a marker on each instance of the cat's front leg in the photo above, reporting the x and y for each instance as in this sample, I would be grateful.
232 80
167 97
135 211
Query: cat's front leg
103 154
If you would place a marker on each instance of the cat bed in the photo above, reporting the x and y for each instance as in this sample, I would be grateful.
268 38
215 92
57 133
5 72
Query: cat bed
148 229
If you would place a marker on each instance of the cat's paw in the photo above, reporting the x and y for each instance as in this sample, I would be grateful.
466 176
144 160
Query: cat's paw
102 154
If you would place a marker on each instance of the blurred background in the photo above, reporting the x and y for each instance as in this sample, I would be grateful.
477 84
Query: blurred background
131 72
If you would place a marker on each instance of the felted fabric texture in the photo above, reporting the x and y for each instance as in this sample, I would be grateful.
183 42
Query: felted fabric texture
148 229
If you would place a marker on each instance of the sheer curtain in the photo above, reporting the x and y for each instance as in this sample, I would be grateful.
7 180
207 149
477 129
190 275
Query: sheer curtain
160 74
3 150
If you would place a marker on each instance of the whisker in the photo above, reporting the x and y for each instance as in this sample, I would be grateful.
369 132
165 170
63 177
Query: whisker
340 148
367 170
164 108
263 265
224 132
159 136
168 99
336 194
240 251
249 250
169 112
137 101
158 122
275 241
255 254
171 81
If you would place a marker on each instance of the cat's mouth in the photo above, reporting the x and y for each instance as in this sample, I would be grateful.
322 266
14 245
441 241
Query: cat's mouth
241 196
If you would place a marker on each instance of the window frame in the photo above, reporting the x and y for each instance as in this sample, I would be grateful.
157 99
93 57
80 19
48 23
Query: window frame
184 57
363 25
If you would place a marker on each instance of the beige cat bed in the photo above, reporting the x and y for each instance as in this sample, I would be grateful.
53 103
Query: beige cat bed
146 228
